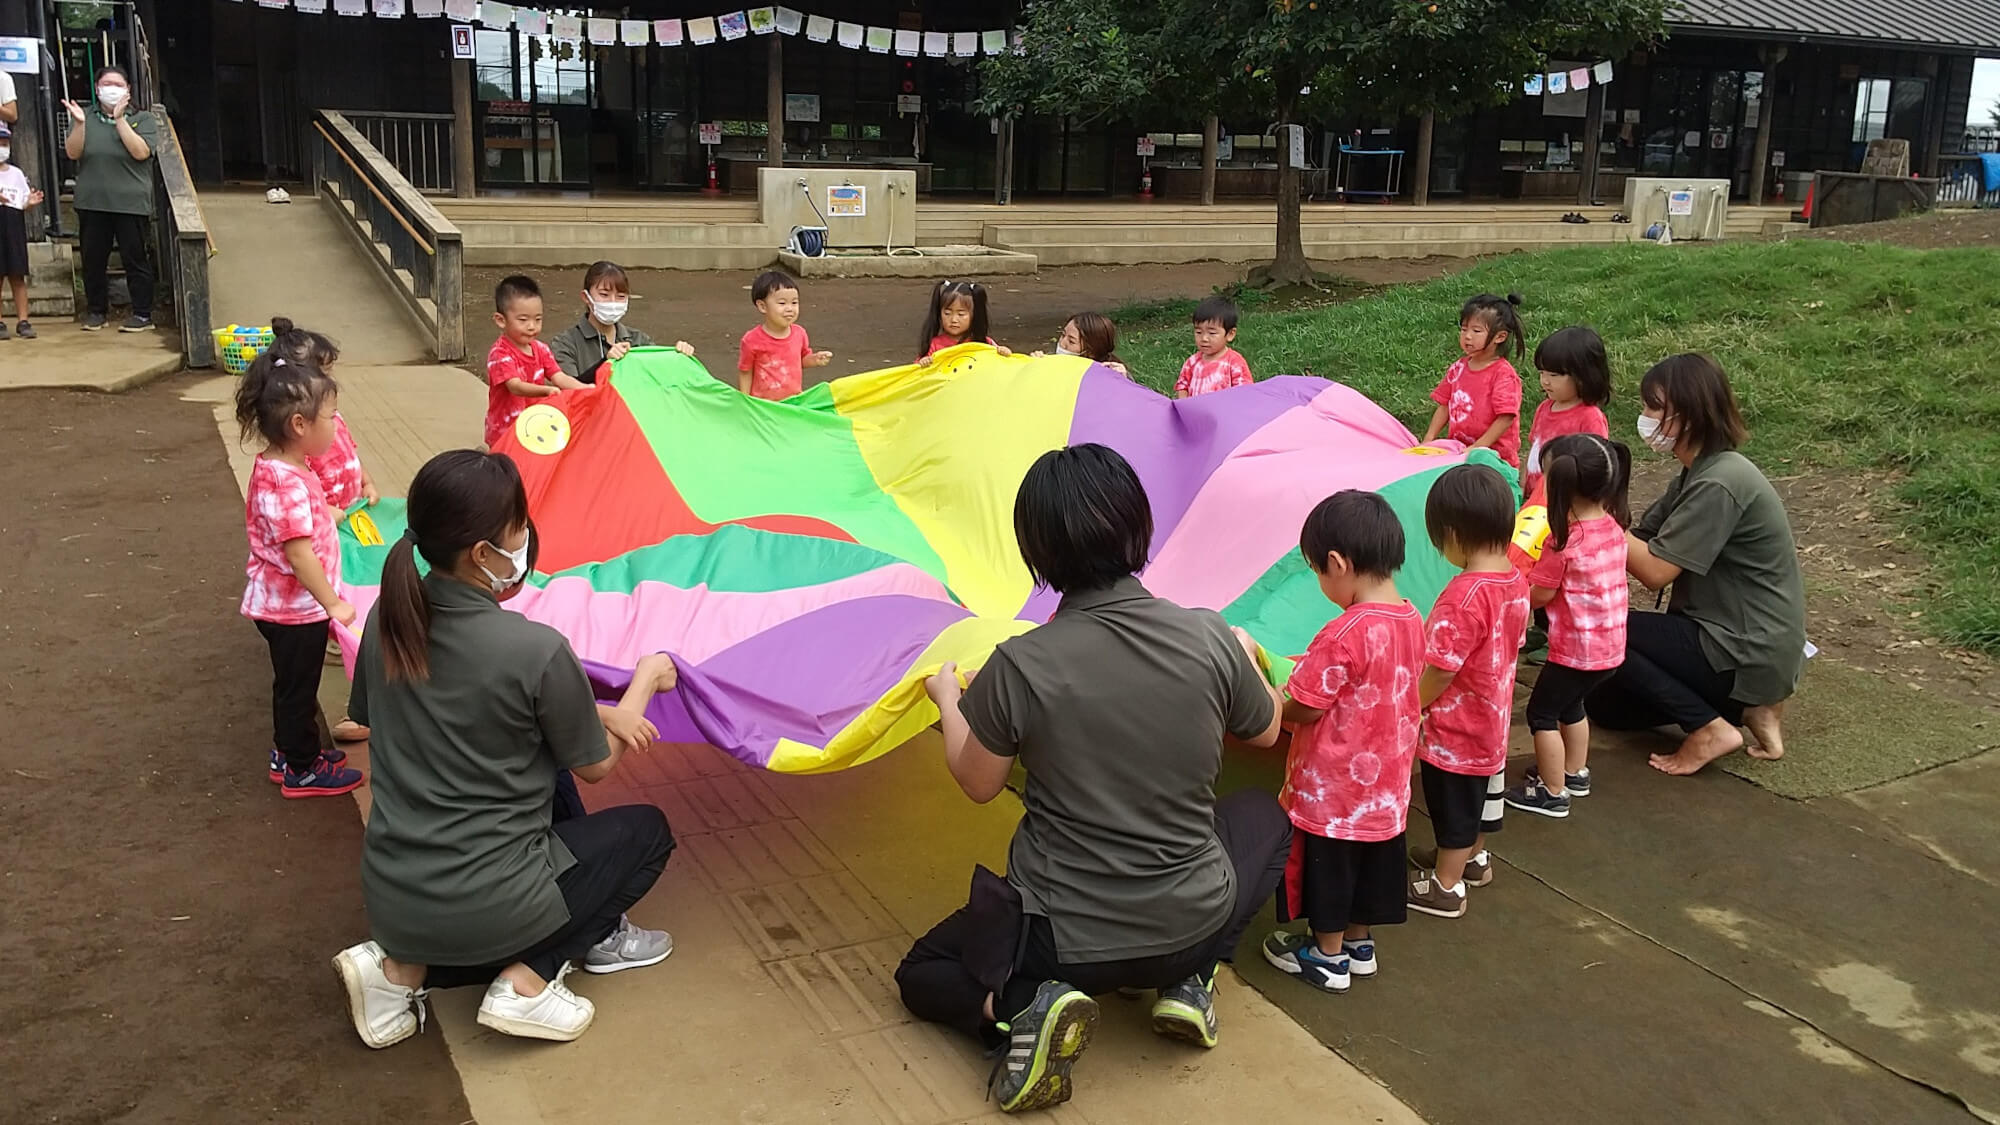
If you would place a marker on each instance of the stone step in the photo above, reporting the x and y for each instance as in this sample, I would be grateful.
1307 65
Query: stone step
612 236
632 255
1012 236
1174 253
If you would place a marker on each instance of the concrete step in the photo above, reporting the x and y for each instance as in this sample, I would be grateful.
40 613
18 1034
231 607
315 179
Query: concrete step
1013 236
594 210
611 235
1173 253
632 255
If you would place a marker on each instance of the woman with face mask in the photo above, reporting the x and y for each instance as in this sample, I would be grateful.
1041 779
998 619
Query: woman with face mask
602 336
112 143
1728 651
473 710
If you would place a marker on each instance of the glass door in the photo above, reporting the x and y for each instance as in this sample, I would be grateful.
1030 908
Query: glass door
534 95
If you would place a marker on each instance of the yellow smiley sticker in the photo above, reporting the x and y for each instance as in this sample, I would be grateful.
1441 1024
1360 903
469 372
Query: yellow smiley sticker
542 429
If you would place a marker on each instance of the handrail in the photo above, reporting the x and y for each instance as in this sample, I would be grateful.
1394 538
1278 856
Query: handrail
377 192
184 244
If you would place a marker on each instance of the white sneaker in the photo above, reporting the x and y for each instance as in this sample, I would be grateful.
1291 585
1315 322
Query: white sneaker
384 1012
273 195
557 1013
628 947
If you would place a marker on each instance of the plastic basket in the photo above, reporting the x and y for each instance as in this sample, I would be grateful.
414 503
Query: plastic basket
238 344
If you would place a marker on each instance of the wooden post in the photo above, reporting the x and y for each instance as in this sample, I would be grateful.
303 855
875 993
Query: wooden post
1760 149
1593 135
464 173
1003 162
1211 142
774 102
1420 187
448 296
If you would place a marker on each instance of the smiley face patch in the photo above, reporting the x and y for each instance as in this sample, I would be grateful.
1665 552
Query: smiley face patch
542 429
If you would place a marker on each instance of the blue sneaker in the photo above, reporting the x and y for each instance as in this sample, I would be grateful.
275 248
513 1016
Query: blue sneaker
333 757
324 779
1187 1011
1533 796
1578 784
1360 956
1043 1042
1298 955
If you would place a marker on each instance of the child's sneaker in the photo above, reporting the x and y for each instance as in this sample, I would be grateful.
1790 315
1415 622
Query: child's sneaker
1478 869
557 1013
25 330
1578 784
1360 956
324 779
385 1013
332 757
1532 796
1428 896
1187 1011
1298 955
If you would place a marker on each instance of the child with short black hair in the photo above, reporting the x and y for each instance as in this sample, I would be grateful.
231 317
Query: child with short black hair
1576 383
1215 364
1472 644
1479 398
1581 579
957 315
1347 778
16 196
294 570
772 362
519 367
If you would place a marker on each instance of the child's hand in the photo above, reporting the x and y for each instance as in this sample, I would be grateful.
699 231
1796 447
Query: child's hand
634 732
1114 365
368 494
819 359
924 362
683 347
618 350
335 513
340 611
35 198
1002 349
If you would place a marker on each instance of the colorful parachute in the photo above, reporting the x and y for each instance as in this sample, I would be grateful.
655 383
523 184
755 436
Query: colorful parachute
809 562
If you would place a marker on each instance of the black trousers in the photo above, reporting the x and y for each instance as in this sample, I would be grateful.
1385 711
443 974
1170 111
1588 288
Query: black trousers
620 853
1666 680
939 985
1558 695
298 654
97 231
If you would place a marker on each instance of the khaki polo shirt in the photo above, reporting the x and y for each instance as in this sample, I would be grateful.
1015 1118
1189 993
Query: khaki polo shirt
1117 710
1723 524
581 349
107 178
458 863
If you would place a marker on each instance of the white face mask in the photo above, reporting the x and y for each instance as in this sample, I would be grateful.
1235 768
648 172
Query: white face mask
1060 350
111 97
518 558
1649 432
5 152
607 312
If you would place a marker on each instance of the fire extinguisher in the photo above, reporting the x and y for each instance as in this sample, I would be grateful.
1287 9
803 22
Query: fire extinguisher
1146 182
713 188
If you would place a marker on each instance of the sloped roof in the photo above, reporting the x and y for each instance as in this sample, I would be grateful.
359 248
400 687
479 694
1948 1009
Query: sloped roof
1961 25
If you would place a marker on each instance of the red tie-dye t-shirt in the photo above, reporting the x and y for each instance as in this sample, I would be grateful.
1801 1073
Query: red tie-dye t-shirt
1348 774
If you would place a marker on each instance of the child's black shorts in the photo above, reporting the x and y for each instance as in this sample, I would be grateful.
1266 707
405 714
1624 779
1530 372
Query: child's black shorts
1462 805
1557 700
1334 884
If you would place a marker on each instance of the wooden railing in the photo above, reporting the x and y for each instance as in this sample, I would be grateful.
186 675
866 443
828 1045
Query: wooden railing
418 144
1962 183
419 252
184 245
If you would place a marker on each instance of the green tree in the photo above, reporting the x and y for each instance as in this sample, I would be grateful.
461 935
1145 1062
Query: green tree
1296 59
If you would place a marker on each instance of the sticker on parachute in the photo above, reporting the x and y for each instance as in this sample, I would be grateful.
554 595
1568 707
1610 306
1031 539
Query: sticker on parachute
1531 530
365 531
1428 451
543 429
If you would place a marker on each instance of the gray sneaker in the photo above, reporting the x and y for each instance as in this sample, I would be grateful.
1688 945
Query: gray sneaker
628 947
24 330
1187 1011
137 324
1043 1042
94 322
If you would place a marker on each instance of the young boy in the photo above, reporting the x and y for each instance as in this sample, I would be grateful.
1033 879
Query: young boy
1471 645
772 363
1214 366
1347 780
520 367
15 199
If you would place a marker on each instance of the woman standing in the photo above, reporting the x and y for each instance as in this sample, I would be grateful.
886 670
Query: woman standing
472 711
112 145
1731 645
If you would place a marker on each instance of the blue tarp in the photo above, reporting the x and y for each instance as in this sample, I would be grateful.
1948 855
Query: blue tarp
1989 164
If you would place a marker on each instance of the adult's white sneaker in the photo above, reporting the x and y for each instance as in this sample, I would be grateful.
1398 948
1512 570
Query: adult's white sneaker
385 1013
557 1014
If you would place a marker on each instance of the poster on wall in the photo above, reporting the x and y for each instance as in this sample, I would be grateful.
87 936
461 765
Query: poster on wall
879 39
427 9
701 30
763 21
790 20
1680 204
965 44
564 26
802 107
603 30
461 40
993 42
908 43
846 201
819 29
937 44
634 33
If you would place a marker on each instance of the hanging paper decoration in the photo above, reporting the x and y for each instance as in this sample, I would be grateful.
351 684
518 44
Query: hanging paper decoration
1579 79
1558 82
734 25
1603 72
879 39
937 44
311 7
463 11
965 44
350 7
1532 86
274 3
494 14
907 43
850 35
531 21
634 33
763 21
566 26
819 29
427 9
790 21
993 42
668 32
603 30
701 30
389 9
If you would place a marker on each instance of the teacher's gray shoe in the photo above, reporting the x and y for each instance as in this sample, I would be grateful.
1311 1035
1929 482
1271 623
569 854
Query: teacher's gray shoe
385 1013
1187 1011
628 947
1043 1042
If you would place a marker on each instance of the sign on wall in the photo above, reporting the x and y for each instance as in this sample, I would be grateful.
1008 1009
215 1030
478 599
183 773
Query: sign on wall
461 40
20 54
846 201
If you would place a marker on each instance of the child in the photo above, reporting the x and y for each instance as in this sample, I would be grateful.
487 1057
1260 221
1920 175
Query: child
775 354
957 315
1479 398
602 337
294 562
1472 642
520 367
1581 579
1576 380
15 199
1347 780
1092 336
1215 365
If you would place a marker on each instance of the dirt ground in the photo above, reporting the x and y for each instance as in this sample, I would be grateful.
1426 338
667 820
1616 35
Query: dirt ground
168 917
1935 231
870 323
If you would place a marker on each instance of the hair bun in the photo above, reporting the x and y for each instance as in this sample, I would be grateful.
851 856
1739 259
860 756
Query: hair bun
1514 299
281 326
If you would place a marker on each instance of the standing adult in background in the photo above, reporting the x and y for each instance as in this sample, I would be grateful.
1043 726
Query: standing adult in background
10 105
113 149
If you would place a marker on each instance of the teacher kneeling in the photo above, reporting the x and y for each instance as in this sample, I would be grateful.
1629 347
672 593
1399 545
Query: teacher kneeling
472 711
1730 647
1125 871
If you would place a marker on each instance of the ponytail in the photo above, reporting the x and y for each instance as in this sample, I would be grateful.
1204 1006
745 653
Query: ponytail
1585 467
458 500
1619 504
1561 482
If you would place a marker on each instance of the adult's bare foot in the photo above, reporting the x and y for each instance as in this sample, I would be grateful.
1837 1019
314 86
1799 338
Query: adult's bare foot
1764 723
1700 748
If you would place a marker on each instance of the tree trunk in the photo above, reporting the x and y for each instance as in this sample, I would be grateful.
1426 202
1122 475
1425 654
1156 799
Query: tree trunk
1288 266
1211 140
1420 188
774 103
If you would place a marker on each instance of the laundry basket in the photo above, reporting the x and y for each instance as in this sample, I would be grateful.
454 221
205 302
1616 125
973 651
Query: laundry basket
238 344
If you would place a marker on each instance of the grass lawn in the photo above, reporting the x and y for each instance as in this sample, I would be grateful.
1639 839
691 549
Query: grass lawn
1862 356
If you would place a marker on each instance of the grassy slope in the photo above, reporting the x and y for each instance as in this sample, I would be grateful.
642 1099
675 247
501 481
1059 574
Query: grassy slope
1857 355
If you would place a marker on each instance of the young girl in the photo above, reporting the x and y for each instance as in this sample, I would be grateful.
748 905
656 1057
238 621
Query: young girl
1581 579
294 562
1576 380
1092 336
602 336
15 199
957 315
1479 398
